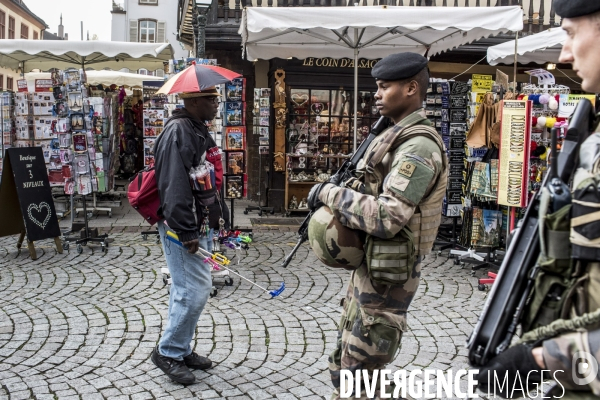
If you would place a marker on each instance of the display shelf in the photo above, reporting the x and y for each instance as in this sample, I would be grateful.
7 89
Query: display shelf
318 155
322 120
300 189
303 182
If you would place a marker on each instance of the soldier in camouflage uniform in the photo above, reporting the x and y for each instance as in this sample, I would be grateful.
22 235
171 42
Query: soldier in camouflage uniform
567 355
398 192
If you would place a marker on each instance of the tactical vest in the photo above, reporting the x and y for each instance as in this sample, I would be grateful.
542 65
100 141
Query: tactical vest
427 217
567 286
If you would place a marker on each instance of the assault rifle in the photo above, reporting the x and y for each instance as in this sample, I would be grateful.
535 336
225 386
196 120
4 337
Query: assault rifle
506 302
344 173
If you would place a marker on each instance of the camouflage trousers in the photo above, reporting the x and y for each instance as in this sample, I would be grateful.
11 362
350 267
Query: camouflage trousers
373 321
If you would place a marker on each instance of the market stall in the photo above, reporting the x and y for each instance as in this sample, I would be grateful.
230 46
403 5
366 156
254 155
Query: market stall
78 123
44 55
102 77
317 127
342 32
509 140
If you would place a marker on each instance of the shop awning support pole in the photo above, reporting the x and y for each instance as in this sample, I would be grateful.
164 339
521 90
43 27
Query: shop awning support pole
355 86
515 64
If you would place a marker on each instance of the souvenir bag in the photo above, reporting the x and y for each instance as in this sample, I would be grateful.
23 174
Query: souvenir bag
143 195
479 133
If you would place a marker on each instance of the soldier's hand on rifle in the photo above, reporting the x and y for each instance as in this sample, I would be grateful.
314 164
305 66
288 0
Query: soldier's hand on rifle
355 184
313 201
517 364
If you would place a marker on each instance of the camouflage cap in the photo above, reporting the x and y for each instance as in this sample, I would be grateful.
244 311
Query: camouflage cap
334 244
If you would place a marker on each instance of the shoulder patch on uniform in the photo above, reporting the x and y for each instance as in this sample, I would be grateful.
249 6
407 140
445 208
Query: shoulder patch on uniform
407 168
411 179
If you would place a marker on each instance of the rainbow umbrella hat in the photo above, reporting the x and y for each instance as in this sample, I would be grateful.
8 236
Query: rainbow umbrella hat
197 78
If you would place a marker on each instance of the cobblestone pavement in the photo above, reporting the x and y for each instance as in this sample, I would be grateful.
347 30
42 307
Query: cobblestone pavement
83 326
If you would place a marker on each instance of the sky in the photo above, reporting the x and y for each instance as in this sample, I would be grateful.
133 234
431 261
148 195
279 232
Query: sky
95 15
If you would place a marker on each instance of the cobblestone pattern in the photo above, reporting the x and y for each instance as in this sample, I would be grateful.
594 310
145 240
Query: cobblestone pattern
83 326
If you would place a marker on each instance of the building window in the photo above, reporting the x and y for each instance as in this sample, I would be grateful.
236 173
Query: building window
147 31
1 82
9 83
35 35
11 28
2 25
149 2
24 31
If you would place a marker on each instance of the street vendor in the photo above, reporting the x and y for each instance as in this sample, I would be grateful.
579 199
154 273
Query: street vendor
188 175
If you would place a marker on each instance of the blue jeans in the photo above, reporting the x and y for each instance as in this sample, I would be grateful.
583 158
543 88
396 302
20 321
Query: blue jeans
190 288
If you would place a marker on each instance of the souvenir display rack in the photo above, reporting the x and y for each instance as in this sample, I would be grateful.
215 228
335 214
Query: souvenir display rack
48 118
155 114
262 112
234 146
319 136
446 108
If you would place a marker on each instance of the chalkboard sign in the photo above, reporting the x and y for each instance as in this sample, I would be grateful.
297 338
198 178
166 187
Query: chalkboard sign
454 197
458 115
459 129
25 197
456 157
455 184
456 142
458 102
455 170
459 88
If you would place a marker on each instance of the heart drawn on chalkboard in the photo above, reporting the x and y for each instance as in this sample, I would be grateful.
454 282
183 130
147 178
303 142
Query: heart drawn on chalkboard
39 210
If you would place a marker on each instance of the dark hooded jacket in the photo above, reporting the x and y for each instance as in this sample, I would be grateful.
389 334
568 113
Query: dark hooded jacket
185 143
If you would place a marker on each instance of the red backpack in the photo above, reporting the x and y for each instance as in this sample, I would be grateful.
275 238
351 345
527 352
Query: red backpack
143 195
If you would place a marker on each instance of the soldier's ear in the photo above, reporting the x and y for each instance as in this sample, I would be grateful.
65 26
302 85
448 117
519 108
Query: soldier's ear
412 88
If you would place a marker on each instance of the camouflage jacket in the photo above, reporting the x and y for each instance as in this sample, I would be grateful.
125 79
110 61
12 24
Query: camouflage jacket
411 173
567 352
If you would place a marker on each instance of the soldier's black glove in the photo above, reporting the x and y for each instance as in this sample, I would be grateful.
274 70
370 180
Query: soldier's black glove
313 200
515 364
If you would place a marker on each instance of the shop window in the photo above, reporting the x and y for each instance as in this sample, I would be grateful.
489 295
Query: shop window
147 31
35 35
2 25
149 2
11 28
9 83
322 121
24 31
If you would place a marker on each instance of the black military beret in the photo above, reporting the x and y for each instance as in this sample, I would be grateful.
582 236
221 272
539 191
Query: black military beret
399 66
576 8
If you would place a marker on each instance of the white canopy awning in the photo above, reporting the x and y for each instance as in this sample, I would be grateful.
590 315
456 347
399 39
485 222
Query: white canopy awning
61 54
105 78
540 48
301 32
368 32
